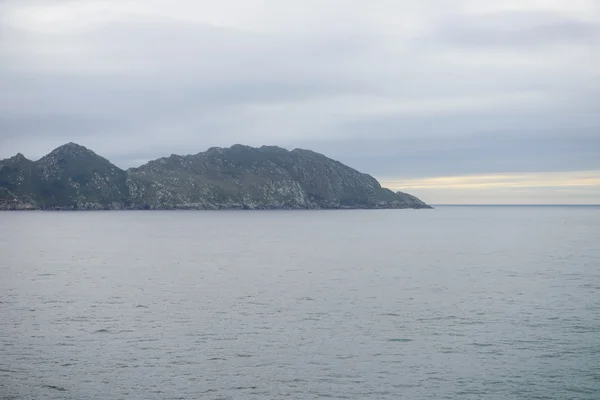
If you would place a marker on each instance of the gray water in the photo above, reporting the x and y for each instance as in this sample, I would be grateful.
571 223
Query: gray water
454 303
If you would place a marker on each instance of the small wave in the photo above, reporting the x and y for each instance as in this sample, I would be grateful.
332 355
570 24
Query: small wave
54 387
77 319
225 339
470 322
401 340
344 357
141 306
583 329
143 340
550 355
589 286
102 331
257 303
406 385
582 390
439 318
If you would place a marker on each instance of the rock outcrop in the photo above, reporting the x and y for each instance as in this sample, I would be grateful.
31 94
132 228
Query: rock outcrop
240 177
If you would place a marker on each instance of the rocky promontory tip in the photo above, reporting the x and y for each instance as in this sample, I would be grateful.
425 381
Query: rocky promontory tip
73 177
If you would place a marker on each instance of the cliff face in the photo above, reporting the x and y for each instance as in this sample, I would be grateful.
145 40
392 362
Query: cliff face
239 177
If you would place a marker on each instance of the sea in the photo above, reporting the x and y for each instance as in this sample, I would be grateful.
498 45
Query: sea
452 303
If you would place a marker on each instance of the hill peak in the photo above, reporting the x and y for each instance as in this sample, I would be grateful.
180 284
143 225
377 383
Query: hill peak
70 147
69 151
19 157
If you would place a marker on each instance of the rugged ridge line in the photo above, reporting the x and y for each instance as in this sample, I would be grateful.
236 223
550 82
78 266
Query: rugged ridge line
73 177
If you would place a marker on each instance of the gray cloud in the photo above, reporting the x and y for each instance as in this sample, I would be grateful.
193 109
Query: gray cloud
399 90
466 155
516 30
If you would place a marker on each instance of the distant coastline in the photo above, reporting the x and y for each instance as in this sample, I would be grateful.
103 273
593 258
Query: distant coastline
240 177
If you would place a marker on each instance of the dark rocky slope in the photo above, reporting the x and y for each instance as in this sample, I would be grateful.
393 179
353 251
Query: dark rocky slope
239 177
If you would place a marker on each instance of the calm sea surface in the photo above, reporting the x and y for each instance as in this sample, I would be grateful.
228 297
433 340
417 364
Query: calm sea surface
452 303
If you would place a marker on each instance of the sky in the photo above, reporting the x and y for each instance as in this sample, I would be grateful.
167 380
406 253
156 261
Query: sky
454 101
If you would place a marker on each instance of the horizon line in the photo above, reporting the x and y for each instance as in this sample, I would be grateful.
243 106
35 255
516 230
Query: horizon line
514 205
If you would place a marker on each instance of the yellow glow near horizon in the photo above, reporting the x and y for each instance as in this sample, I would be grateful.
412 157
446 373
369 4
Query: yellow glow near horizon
573 187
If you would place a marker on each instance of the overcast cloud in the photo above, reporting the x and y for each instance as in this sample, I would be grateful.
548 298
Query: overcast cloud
405 90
